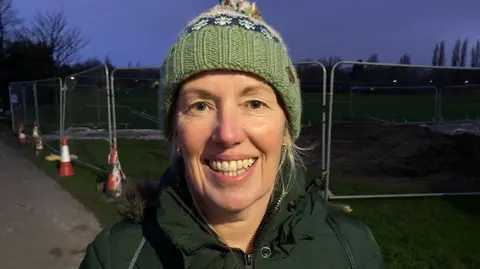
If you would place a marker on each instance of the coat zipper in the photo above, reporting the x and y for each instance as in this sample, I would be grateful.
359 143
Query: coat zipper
249 257
248 261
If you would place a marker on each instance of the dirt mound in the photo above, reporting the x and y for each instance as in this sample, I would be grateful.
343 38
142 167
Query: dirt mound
378 150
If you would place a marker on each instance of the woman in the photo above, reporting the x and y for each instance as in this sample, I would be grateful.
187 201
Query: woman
233 196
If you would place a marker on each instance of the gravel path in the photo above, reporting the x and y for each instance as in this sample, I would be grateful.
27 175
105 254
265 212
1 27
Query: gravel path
41 225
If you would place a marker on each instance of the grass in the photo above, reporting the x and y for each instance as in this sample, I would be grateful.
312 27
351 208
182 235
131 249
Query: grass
392 107
139 159
413 233
424 232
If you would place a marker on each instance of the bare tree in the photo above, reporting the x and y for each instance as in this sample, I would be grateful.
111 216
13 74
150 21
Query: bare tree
405 59
456 53
441 54
52 28
109 64
373 58
463 53
435 55
329 62
87 64
8 21
475 55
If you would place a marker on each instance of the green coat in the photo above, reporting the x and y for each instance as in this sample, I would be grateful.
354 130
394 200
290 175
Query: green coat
301 234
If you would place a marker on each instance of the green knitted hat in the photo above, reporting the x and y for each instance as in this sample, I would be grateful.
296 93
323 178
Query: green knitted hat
232 36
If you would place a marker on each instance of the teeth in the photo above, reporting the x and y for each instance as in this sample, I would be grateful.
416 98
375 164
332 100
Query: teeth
232 168
234 173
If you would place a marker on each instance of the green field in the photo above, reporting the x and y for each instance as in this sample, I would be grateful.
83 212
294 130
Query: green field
89 108
394 108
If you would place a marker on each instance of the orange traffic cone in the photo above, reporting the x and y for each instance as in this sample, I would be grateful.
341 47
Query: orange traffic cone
116 176
35 132
116 161
21 134
66 169
113 156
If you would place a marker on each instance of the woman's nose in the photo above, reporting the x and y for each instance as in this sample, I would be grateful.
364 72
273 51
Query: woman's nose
229 130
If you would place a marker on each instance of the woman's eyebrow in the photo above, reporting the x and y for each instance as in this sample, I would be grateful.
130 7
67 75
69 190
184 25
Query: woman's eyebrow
202 93
253 89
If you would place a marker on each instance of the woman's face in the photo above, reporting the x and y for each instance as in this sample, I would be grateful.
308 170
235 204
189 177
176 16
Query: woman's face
230 129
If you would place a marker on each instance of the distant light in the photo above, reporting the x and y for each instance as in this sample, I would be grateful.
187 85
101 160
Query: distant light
72 78
466 81
431 81
394 81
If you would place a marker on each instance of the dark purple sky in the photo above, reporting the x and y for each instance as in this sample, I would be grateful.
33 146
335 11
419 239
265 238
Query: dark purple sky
143 31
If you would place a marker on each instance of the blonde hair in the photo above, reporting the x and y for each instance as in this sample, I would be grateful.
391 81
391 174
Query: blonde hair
290 161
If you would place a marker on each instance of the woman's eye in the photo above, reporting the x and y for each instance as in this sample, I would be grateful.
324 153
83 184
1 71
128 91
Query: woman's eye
197 108
200 106
255 104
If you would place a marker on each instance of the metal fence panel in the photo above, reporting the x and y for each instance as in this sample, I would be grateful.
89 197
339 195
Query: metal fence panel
47 93
378 152
85 100
86 113
135 96
313 83
22 104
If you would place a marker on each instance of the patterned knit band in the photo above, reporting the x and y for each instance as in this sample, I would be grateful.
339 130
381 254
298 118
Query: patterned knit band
233 37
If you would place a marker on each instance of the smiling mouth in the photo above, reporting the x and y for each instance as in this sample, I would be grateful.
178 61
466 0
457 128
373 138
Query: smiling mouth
231 168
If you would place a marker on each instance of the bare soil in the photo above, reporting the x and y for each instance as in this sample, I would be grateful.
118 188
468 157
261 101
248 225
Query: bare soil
406 156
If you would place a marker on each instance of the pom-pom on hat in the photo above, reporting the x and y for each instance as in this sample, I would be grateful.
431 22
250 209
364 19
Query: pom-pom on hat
232 36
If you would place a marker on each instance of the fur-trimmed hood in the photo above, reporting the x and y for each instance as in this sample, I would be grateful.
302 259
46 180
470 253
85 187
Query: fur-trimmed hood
137 196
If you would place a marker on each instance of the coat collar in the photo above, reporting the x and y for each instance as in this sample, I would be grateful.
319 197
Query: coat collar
299 216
